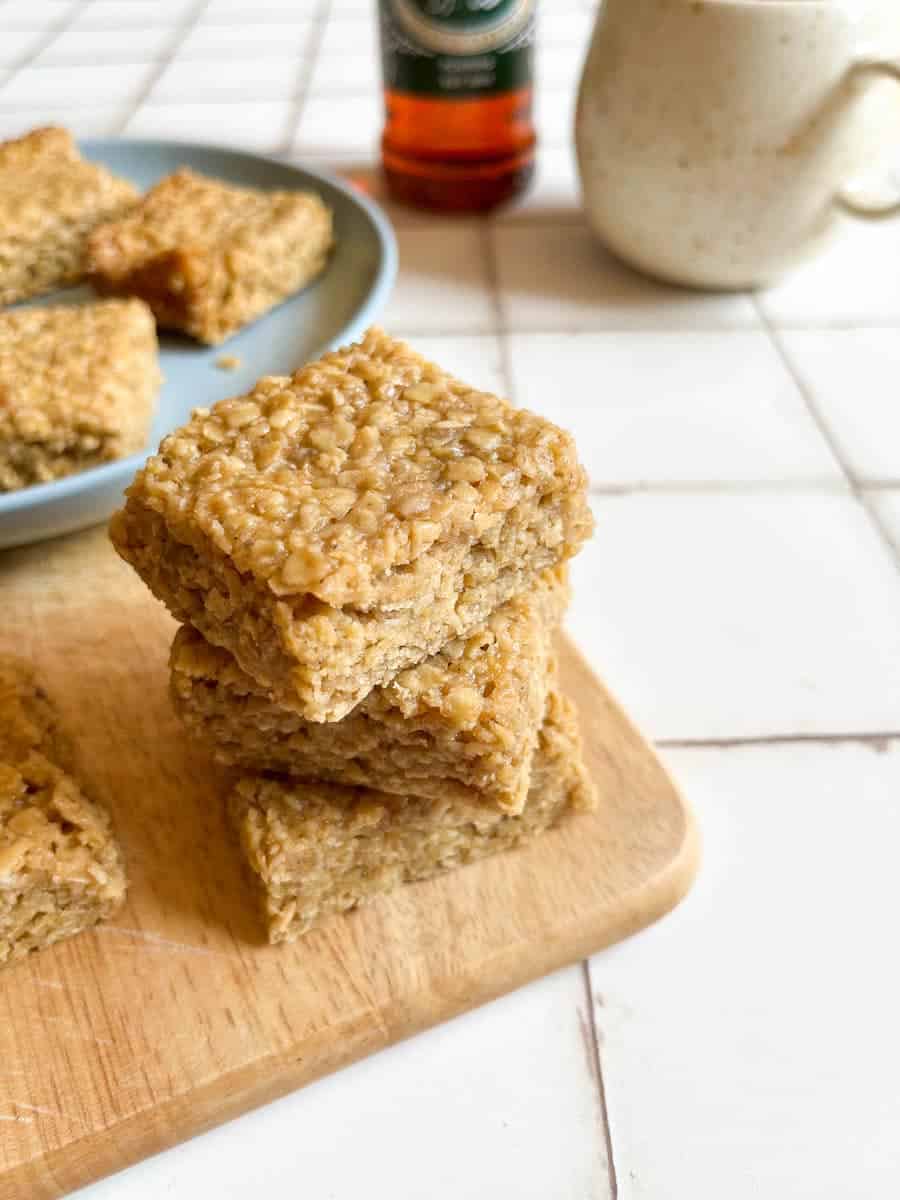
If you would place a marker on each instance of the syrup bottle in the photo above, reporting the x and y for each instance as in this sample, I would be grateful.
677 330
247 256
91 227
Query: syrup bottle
458 76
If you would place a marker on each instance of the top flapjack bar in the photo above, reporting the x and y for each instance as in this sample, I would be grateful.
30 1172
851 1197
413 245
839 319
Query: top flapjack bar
50 199
207 256
334 527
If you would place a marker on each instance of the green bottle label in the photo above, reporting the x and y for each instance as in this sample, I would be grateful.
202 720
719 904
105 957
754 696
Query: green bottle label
457 47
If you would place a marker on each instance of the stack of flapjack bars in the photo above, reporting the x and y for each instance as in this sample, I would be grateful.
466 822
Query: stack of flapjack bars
369 561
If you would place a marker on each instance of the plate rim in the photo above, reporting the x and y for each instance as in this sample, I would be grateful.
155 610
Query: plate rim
56 490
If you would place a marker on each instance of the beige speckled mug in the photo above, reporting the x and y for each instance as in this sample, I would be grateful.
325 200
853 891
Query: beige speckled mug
717 139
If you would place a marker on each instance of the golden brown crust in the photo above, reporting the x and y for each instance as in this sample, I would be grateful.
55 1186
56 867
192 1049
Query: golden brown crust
314 849
461 725
332 528
49 144
77 388
60 866
50 200
209 257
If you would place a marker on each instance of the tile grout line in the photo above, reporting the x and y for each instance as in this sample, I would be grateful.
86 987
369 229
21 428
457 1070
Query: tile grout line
787 362
737 325
310 59
180 31
875 517
856 486
724 487
598 1079
500 332
877 741
52 33
513 218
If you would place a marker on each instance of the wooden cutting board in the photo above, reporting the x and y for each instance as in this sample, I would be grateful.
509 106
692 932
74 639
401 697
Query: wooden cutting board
174 1016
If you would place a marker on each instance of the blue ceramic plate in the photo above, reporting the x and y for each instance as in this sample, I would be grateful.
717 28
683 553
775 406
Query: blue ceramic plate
334 310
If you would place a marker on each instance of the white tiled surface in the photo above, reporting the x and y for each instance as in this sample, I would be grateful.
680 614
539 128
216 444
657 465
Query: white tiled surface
886 505
563 281
343 31
40 15
553 191
260 125
262 78
210 41
52 85
17 45
93 121
851 378
339 128
430 1117
84 47
721 615
747 1042
741 596
430 258
672 407
853 282
477 358
345 72
127 14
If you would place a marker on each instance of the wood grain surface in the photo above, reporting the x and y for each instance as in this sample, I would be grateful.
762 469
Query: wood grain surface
174 1016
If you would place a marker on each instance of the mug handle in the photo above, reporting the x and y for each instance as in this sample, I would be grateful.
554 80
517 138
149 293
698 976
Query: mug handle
854 205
